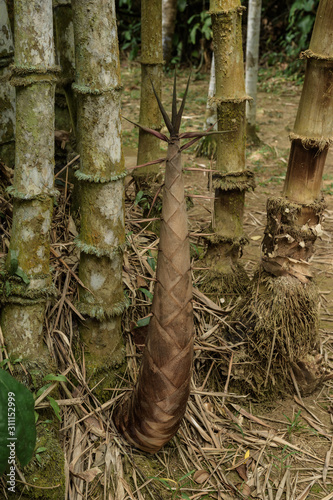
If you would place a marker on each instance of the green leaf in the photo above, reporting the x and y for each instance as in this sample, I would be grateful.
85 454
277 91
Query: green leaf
147 293
182 5
13 265
151 262
19 272
143 321
22 431
138 197
41 449
55 407
55 378
42 389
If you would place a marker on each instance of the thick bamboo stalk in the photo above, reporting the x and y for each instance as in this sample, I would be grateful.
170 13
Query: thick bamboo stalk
28 279
151 71
293 225
101 177
64 30
313 130
7 92
152 415
310 140
232 179
169 14
252 60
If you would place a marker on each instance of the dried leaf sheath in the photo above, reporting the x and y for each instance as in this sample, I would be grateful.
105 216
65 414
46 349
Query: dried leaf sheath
152 415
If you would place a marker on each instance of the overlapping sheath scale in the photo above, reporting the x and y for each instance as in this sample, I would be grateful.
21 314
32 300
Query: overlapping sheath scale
151 416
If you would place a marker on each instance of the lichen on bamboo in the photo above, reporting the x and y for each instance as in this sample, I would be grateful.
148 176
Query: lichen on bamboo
101 176
151 60
226 275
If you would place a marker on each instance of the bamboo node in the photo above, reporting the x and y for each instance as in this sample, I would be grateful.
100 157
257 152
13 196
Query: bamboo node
312 142
99 252
227 100
86 89
236 243
308 54
226 12
22 76
100 312
14 290
97 178
41 196
240 181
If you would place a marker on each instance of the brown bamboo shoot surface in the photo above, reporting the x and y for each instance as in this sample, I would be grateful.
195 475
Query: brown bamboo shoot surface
151 416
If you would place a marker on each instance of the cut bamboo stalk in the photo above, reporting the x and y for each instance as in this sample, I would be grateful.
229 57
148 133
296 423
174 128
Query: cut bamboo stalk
284 303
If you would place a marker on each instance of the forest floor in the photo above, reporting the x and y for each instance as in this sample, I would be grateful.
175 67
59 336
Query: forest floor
287 455
229 445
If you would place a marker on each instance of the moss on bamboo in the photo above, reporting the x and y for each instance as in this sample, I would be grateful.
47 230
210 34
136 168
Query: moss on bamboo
101 176
151 73
232 180
48 473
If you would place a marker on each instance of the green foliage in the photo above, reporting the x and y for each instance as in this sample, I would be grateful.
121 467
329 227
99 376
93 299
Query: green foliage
200 24
174 487
301 20
17 422
143 321
129 27
295 423
52 378
15 269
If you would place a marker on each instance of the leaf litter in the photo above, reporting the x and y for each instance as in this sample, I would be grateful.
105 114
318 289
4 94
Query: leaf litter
228 446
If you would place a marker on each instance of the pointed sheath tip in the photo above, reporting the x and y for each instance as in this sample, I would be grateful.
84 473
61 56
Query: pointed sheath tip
164 113
174 101
181 109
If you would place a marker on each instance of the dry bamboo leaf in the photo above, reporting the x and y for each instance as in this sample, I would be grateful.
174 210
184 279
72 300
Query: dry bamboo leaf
200 476
249 415
280 490
327 463
244 489
242 471
305 492
282 441
319 429
328 497
205 300
87 475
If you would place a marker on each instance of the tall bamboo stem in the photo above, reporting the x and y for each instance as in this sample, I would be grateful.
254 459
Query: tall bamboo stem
28 281
252 61
151 71
232 180
101 177
7 92
282 303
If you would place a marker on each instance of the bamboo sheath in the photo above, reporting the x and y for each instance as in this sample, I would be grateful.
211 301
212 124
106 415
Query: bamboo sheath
151 416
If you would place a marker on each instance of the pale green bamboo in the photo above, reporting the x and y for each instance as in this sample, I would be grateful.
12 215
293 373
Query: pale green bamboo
151 73
101 177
